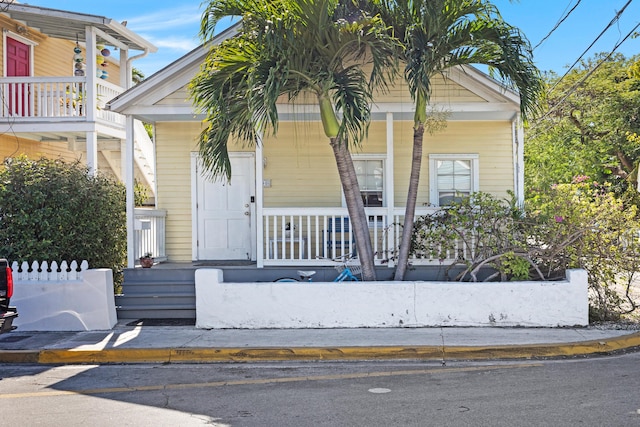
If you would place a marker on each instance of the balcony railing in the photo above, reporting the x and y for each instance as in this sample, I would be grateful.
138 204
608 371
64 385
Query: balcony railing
42 98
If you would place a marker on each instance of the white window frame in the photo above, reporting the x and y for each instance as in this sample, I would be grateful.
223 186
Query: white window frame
383 157
433 173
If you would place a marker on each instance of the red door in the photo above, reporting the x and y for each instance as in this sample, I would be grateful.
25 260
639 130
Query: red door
18 65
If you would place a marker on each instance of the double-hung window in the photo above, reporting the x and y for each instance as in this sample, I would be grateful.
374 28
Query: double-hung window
370 173
452 176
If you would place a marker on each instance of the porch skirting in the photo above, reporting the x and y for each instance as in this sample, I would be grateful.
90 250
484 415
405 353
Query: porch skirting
261 305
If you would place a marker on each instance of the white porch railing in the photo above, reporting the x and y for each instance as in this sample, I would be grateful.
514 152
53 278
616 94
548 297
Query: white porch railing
303 236
316 236
149 233
55 98
106 92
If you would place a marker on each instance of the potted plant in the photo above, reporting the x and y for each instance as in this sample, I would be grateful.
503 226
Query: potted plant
146 260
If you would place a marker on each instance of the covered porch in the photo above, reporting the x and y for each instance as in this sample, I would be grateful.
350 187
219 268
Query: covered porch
296 237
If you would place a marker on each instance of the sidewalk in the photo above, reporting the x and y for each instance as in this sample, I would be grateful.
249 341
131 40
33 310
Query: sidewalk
175 344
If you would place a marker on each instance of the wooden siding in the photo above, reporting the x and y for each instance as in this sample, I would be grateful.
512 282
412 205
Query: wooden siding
179 97
492 141
302 168
12 146
54 57
174 143
443 91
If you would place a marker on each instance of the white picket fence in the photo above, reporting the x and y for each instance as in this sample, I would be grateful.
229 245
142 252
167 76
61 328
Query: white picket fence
45 272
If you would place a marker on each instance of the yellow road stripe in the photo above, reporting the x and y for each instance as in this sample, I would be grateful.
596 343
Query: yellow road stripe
357 375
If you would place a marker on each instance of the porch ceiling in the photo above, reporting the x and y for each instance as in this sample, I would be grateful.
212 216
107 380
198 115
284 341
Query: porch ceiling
71 25
66 137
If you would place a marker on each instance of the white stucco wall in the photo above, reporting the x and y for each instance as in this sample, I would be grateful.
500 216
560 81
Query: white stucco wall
78 305
389 304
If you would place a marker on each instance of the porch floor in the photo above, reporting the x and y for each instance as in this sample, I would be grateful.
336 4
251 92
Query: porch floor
247 271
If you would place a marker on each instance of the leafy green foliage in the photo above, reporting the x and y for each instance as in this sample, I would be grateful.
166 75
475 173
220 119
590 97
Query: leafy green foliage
584 225
577 225
283 49
437 35
477 231
588 127
54 211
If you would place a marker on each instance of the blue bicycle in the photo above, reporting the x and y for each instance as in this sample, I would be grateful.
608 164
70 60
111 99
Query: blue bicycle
347 273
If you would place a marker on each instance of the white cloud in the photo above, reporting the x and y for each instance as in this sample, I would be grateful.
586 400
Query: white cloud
181 44
167 19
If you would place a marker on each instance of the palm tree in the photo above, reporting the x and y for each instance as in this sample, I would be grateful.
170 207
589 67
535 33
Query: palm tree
288 47
440 34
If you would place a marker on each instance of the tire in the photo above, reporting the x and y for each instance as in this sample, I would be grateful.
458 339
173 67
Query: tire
286 279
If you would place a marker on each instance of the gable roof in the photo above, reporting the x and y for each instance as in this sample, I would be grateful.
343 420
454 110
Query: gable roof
144 101
71 25
139 99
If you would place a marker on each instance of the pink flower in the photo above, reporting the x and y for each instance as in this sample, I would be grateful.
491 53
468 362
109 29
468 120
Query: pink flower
558 218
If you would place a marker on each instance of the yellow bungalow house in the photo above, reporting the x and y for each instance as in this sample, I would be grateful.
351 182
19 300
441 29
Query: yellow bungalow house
59 68
284 204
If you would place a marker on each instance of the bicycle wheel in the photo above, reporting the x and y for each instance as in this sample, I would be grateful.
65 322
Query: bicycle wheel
286 279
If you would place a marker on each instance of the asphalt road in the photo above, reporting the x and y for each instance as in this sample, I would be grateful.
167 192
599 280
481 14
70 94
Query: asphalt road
586 392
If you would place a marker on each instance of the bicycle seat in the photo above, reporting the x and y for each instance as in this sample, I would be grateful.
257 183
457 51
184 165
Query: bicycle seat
305 274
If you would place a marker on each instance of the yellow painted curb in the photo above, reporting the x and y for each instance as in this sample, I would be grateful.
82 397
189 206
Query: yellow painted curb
19 356
111 355
202 355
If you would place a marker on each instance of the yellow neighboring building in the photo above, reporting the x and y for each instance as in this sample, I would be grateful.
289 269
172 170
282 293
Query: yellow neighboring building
59 69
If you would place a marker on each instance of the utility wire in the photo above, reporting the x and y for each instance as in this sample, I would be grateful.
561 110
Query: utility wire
586 76
609 25
557 25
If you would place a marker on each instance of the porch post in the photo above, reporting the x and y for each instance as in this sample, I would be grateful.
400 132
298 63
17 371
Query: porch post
259 203
518 157
389 187
89 102
125 74
129 184
92 153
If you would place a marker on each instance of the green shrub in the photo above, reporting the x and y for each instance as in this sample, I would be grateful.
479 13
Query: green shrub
578 225
478 231
51 210
584 225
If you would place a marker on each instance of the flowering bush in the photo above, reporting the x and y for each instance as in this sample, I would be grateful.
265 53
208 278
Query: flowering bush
577 225
597 232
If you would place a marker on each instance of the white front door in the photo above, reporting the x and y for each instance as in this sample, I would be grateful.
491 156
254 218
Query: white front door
225 212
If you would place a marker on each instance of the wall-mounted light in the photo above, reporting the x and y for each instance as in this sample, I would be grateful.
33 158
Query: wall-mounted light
21 29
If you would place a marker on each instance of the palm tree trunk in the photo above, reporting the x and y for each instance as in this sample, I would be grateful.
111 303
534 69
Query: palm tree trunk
410 209
355 206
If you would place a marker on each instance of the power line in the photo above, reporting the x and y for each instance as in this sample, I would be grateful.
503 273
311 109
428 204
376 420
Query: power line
557 24
609 25
586 76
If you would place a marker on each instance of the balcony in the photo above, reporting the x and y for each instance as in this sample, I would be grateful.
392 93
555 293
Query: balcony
56 99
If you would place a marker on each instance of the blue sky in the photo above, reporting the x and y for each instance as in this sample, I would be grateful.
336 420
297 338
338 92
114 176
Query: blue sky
173 26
